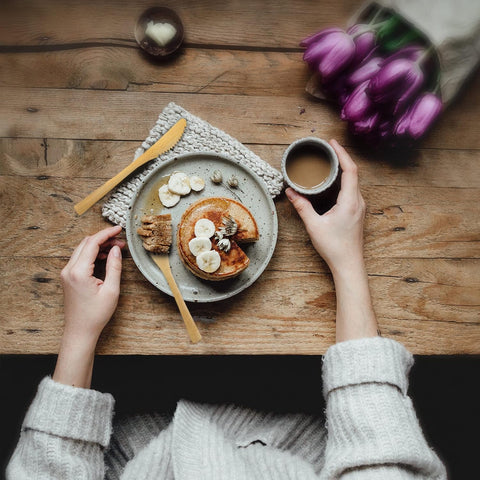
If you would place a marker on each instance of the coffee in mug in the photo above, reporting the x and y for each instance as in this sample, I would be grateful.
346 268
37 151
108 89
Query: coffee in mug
310 166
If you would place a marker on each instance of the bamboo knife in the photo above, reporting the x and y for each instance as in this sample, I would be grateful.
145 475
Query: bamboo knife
161 146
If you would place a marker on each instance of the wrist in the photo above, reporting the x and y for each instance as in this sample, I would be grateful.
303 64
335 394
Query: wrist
78 343
355 314
351 270
75 361
78 332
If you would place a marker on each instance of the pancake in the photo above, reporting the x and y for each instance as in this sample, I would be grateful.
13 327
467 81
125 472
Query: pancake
217 209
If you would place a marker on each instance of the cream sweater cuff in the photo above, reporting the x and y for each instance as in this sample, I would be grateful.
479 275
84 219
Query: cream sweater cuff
71 412
366 360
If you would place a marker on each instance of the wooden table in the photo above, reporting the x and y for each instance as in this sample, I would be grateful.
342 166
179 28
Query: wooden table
77 97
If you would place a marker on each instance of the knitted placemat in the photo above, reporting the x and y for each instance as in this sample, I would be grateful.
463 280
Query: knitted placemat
199 136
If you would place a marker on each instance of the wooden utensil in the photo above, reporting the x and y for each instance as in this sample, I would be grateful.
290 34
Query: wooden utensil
164 265
165 143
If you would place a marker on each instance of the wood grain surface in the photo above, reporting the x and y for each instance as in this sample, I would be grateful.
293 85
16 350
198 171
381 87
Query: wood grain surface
76 99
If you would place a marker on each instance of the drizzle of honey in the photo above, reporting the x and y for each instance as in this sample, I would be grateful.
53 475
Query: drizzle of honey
153 205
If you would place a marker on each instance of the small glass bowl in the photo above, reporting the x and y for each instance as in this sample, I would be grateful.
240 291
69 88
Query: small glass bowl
159 15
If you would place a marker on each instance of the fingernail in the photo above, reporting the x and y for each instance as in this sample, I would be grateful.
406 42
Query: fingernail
116 251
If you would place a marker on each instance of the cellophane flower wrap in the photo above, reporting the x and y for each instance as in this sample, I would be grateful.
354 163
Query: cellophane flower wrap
396 66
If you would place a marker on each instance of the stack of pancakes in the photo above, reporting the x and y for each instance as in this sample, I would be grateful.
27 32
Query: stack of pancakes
217 209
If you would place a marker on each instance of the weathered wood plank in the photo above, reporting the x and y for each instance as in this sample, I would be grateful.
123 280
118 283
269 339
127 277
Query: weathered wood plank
401 221
102 159
247 23
196 70
147 322
129 116
44 113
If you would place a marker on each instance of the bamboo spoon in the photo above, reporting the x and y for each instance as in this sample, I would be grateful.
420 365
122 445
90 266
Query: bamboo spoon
164 265
165 143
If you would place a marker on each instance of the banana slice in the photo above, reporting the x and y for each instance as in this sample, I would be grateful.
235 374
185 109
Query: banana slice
199 245
197 183
204 228
179 183
167 198
209 261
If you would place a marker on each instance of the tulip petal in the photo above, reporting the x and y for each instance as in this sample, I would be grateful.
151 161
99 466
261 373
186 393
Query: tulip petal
366 125
415 85
401 126
318 35
420 117
364 44
316 51
337 58
358 105
396 82
365 71
424 114
385 84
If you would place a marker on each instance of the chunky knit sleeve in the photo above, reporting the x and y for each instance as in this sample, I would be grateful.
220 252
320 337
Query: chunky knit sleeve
63 435
373 432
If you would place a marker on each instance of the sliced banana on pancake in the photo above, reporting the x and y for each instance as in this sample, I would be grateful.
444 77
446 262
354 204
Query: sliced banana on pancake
204 228
199 245
209 261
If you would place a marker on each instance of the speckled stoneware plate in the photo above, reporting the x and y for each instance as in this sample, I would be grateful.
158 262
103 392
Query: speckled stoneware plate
251 192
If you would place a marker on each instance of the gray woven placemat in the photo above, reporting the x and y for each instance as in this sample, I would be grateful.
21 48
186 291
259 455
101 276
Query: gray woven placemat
199 136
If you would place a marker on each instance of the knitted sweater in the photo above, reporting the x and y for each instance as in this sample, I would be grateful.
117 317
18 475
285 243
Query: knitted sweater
370 432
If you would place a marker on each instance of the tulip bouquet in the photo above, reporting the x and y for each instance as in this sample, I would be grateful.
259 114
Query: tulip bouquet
383 75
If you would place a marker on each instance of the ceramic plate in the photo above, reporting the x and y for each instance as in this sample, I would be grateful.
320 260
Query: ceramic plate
251 192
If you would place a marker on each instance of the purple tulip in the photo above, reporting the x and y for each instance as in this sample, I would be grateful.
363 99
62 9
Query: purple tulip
358 105
316 51
364 72
419 117
366 125
318 35
364 42
396 83
338 57
331 52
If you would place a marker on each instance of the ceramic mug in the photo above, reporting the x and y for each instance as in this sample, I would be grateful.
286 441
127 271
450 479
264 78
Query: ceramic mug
324 150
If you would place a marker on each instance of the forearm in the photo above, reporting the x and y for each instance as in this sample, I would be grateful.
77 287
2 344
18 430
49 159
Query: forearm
355 315
64 434
75 360
371 420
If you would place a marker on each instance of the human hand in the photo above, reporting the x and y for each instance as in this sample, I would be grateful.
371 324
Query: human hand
337 235
89 302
